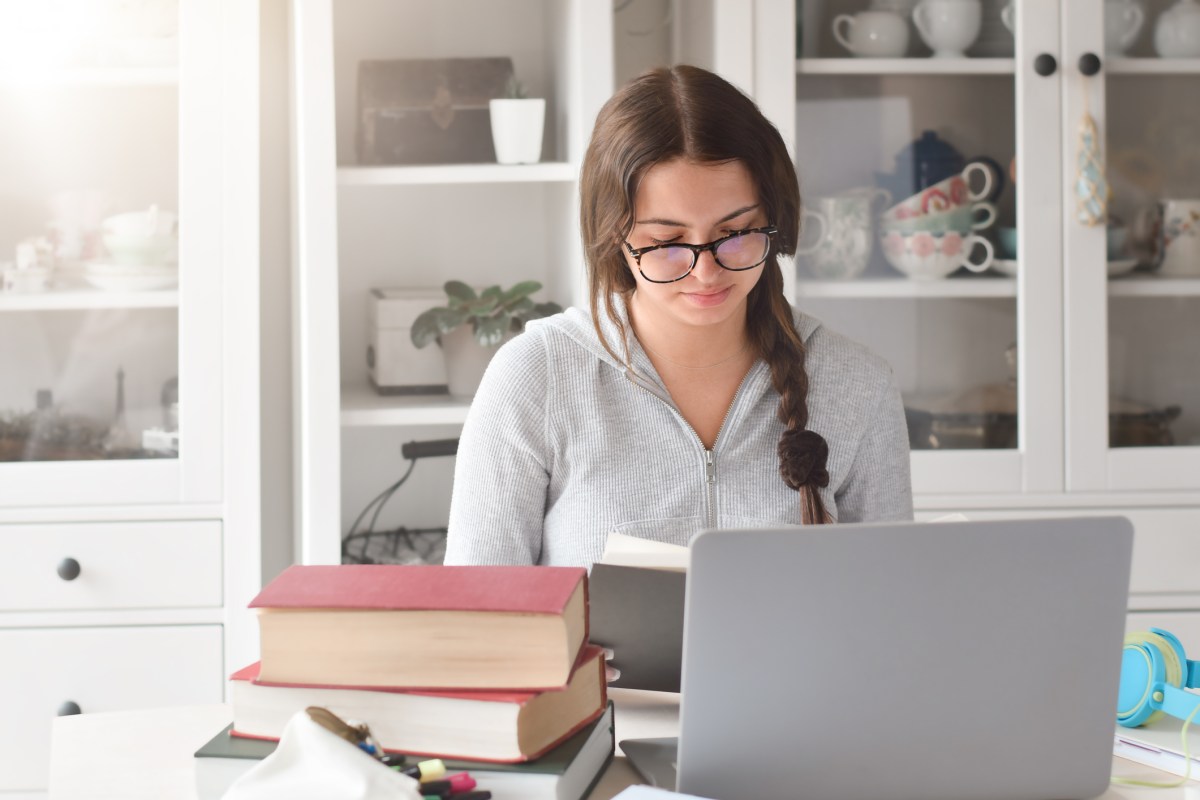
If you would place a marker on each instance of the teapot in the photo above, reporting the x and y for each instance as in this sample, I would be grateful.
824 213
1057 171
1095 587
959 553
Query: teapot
928 160
1177 32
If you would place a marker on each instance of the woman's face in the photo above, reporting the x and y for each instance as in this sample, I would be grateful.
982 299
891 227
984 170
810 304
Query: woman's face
682 201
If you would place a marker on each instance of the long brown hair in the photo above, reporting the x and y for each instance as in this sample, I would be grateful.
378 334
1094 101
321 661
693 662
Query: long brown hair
690 113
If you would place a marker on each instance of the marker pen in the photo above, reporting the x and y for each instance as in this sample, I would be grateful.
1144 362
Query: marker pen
481 795
426 770
461 782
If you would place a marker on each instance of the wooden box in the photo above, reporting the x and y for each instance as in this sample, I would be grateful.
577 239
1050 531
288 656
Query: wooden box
428 111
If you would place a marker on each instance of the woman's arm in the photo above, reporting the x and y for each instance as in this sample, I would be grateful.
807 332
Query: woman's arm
502 469
879 485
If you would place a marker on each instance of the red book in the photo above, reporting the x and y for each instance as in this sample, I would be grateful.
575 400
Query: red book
473 725
429 627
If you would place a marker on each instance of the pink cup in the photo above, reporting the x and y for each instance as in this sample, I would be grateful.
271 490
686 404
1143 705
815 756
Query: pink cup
945 195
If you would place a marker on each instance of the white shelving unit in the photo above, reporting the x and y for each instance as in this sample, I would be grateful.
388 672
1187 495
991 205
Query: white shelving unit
81 299
980 286
905 66
483 223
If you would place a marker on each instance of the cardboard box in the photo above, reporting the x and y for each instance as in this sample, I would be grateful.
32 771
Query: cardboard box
428 111
395 365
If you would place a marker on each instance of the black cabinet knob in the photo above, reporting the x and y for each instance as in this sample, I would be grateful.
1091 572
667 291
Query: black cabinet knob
1089 64
68 569
69 708
1045 65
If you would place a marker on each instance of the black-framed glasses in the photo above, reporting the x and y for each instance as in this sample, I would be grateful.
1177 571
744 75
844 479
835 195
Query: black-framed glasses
674 261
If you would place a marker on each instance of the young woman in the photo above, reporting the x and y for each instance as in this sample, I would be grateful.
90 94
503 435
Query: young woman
692 396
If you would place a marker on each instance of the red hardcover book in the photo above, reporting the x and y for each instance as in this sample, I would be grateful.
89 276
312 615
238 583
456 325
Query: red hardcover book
504 727
430 627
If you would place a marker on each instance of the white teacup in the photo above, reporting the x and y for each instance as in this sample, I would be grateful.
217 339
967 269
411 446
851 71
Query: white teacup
926 256
1179 238
872 34
1122 23
949 27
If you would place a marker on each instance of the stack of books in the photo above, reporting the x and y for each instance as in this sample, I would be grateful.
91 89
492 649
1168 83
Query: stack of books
488 668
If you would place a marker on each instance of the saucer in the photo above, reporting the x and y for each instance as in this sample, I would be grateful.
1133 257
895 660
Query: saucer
1121 266
1005 266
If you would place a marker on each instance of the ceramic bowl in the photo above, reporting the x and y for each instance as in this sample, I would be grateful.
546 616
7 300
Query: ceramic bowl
926 256
147 237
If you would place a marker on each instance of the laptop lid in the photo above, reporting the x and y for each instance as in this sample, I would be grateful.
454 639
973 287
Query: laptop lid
966 660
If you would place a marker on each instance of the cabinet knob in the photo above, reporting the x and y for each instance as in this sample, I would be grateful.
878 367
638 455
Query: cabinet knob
1045 65
69 708
68 570
1089 64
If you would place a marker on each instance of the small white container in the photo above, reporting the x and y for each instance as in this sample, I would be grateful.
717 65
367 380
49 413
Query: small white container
517 129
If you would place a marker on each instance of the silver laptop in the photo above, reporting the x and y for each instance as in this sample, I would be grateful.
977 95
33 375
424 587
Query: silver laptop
965 660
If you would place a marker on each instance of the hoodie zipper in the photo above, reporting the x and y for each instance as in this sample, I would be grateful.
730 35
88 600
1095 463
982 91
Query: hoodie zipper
710 456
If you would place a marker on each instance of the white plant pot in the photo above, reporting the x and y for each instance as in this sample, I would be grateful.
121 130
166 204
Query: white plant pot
466 360
517 129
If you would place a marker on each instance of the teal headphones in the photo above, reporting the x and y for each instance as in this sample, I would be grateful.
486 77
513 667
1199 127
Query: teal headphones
1154 673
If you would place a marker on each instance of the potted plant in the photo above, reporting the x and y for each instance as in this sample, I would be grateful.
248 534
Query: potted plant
471 327
517 125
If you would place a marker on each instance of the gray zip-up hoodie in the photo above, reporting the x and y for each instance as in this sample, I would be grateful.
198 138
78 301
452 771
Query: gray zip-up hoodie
563 444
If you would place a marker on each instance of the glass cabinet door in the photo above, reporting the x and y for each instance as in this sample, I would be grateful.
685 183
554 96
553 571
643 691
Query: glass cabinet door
927 165
99 240
1133 266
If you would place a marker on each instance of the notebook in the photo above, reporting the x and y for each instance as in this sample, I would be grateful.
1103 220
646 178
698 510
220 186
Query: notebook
900 660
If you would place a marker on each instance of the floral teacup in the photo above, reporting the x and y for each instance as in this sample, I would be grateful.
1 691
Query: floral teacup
929 256
962 219
945 195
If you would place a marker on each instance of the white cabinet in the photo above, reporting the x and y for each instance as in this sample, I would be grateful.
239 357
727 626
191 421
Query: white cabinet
1063 378
129 445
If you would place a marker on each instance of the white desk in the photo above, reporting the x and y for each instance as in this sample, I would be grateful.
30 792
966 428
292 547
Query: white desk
147 755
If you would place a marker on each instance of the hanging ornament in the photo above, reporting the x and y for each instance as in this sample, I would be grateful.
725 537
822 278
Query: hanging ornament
1091 187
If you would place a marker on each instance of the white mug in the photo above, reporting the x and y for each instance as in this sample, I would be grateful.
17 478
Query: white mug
872 34
1179 238
949 27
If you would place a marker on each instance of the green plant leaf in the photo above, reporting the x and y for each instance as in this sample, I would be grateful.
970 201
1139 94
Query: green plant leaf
492 292
490 331
450 318
458 290
522 289
425 327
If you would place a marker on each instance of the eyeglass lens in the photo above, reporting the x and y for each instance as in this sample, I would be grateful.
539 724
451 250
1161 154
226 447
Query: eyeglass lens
739 252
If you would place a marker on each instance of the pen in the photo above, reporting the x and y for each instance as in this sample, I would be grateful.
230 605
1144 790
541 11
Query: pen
473 796
461 782
425 770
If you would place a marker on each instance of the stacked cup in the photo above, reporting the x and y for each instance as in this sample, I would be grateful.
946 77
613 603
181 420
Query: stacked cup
935 231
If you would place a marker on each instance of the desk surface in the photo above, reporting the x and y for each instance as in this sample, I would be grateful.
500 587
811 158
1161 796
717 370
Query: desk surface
147 755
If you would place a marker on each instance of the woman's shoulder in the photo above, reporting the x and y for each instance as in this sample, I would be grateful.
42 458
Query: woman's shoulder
837 363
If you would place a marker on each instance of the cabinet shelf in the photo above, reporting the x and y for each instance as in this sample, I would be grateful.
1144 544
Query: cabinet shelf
362 406
905 66
1154 286
547 172
982 286
1153 66
86 299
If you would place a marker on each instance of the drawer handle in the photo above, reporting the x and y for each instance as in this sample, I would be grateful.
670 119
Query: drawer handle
69 709
68 570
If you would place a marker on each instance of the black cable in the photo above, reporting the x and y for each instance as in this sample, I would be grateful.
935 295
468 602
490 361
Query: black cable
381 498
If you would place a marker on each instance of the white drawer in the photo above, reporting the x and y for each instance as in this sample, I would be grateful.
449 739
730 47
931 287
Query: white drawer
99 669
120 565
1166 542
